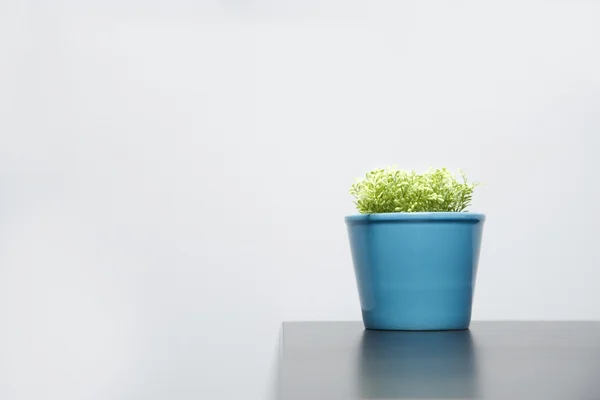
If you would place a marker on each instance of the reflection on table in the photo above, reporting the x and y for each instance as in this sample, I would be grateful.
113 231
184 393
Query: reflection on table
417 365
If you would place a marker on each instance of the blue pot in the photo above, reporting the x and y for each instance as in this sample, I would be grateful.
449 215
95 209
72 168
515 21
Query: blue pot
416 271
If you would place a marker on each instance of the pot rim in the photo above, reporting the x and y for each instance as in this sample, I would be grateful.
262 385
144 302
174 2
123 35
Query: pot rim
416 217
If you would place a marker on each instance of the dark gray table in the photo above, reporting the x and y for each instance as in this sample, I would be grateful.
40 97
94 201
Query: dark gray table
492 360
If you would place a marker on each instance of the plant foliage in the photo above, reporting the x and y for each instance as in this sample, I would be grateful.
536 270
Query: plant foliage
386 190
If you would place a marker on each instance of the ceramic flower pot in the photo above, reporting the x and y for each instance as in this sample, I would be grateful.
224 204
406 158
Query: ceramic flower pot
416 271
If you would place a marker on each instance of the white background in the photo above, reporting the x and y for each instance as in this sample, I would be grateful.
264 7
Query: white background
174 175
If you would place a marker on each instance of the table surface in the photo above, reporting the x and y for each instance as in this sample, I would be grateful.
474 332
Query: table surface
492 360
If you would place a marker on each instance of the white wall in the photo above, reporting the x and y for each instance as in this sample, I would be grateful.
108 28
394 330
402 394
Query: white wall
509 92
135 258
173 176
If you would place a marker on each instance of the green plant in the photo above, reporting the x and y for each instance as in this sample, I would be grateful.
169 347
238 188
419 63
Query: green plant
385 190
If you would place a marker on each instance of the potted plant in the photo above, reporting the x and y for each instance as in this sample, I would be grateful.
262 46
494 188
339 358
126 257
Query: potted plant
415 249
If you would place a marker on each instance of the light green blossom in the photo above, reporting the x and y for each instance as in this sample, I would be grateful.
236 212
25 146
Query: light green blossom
385 190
